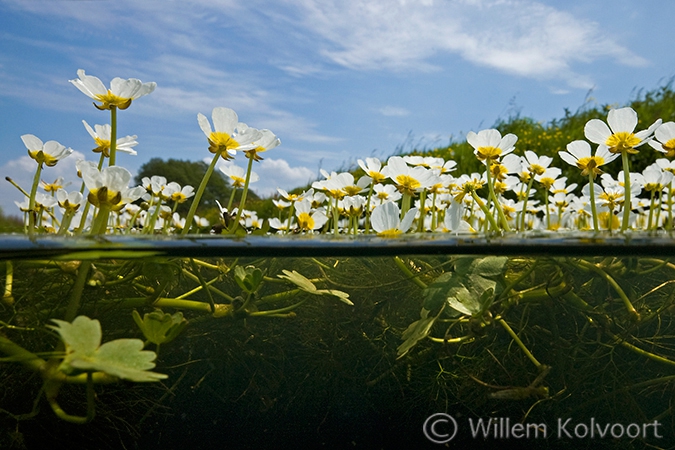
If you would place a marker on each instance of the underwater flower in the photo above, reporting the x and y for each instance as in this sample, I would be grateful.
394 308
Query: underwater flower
386 220
665 139
619 136
489 145
109 187
101 135
49 153
579 154
223 139
120 94
238 175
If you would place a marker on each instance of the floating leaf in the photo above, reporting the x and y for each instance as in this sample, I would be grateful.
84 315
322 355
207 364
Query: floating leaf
123 358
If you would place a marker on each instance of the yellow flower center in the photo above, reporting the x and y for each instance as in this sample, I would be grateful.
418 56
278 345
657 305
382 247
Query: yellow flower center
536 169
352 190
305 221
394 232
104 196
178 197
590 165
237 182
220 142
376 176
102 146
42 157
489 153
109 99
623 140
669 147
407 183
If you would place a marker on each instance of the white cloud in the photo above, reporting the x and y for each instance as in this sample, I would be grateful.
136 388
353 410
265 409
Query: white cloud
521 37
393 111
277 173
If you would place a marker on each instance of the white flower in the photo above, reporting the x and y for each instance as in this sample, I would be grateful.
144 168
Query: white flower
101 135
48 153
120 94
386 220
490 145
238 175
307 221
174 192
579 154
222 139
453 221
619 136
409 179
665 139
266 141
372 167
109 187
69 201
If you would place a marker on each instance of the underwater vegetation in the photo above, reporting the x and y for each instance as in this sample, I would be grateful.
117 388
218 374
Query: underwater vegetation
420 303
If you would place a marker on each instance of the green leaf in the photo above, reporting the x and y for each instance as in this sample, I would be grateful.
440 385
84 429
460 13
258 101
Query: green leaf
303 283
123 358
248 278
159 327
490 266
415 332
299 280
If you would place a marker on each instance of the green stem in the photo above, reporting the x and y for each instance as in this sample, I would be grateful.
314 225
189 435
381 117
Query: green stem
594 210
626 187
198 196
76 293
414 278
629 306
113 135
242 203
482 206
523 212
31 201
520 343
493 196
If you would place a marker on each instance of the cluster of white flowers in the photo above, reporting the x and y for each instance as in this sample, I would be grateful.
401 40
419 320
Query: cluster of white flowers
408 193
449 202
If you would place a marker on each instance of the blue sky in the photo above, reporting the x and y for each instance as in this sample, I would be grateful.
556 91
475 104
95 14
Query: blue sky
336 80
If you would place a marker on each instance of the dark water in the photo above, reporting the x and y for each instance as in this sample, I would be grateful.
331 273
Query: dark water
537 342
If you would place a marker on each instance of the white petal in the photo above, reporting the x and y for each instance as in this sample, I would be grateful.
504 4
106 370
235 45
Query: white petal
204 124
385 217
597 131
32 142
224 120
579 149
623 119
408 220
